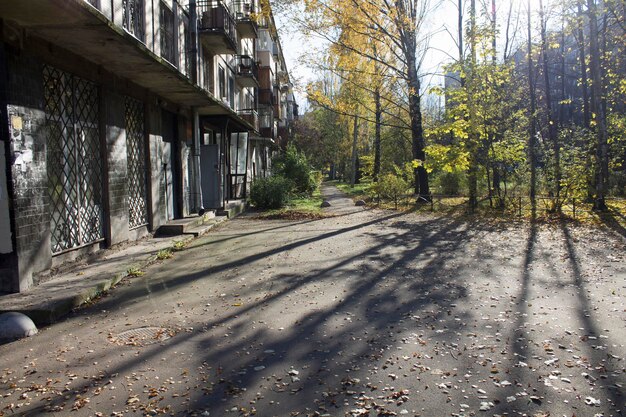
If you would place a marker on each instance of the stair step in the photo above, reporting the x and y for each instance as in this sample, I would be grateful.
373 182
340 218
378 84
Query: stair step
182 226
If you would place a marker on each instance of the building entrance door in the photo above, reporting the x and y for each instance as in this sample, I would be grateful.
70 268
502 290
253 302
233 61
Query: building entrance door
210 175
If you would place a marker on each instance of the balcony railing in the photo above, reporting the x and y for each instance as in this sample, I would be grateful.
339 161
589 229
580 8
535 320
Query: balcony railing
244 15
251 116
265 78
266 97
266 117
132 17
217 26
167 30
247 71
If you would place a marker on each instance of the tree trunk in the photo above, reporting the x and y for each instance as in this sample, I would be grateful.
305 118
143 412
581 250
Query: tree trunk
583 67
379 113
602 155
552 134
417 133
355 134
472 176
533 123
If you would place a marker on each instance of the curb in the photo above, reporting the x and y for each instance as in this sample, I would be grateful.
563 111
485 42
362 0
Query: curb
50 312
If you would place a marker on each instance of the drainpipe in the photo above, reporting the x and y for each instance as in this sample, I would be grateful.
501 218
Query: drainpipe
196 134
193 51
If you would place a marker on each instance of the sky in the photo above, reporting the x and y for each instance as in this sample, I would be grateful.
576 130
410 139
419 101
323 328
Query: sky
295 44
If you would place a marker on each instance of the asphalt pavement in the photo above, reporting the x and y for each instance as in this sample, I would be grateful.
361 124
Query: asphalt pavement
367 312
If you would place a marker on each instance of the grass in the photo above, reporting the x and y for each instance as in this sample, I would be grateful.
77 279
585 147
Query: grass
298 208
457 205
359 190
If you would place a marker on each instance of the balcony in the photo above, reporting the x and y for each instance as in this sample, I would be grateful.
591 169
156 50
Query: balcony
247 71
251 116
216 27
267 127
244 15
122 46
266 97
266 78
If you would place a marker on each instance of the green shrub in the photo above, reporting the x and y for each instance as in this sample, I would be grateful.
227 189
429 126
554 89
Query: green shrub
295 166
271 192
317 178
448 183
390 187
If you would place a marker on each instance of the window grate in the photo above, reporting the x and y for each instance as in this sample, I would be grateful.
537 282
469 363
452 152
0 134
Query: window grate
74 160
136 154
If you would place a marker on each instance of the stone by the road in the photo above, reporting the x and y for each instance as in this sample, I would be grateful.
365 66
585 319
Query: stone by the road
14 325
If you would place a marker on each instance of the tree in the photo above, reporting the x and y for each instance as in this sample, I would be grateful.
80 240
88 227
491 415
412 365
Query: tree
396 26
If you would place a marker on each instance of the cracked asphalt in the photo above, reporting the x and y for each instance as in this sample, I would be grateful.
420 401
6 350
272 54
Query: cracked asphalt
366 313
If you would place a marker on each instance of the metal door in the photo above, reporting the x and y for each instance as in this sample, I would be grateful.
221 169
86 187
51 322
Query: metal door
210 175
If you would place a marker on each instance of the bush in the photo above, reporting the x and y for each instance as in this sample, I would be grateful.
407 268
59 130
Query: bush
295 166
317 177
448 183
271 192
390 187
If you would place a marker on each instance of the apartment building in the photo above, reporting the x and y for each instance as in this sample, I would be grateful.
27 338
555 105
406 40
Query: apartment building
119 116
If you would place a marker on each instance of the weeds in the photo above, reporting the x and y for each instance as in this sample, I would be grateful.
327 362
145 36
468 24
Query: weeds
164 254
134 272
179 245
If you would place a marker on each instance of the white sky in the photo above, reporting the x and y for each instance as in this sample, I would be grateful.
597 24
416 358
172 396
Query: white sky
295 44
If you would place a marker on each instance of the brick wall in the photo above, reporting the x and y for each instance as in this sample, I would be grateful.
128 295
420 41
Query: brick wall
115 134
156 187
29 181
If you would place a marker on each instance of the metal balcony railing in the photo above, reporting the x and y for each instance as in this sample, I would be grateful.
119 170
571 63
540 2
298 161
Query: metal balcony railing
266 117
251 116
132 17
246 18
266 97
243 9
246 67
215 17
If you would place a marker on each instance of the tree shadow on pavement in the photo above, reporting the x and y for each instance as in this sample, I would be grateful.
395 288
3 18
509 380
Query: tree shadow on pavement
389 324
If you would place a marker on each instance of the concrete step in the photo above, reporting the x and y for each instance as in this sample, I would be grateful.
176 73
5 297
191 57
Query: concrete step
204 228
233 208
182 226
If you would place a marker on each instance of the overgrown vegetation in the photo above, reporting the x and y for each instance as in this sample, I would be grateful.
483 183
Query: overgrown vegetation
292 181
271 192
535 114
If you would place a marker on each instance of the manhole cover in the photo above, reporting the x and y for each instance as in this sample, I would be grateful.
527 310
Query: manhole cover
142 336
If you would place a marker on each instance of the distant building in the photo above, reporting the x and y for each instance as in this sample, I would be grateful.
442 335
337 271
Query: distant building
119 116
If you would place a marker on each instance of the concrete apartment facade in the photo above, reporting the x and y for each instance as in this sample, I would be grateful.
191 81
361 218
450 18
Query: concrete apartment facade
118 116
